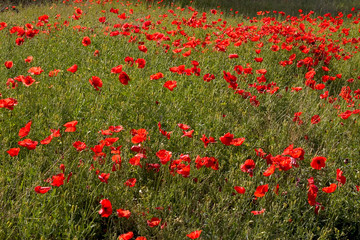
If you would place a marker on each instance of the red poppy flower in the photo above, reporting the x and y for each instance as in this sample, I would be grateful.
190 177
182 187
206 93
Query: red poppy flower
70 126
102 19
297 118
117 159
261 71
98 151
54 72
206 140
312 192
47 140
140 238
126 236
86 41
233 56
298 153
208 77
124 78
73 68
275 48
319 86
170 85
207 162
153 222
3 25
143 48
9 64
80 146
339 177
117 69
109 141
19 41
96 82
164 156
194 234
62 168
55 132
183 126
106 208
146 24
130 182
129 60
330 189
183 170
137 148
187 53
315 119
140 62
276 189
8 103
135 161
28 81
123 213
28 143
104 177
20 78
188 134
260 152
296 89
42 190
227 139
116 128
58 180
12 82
318 163
261 190
270 170
346 114
106 132
29 59
13 152
44 18
196 71
78 11
310 74
23 132
115 150
35 70
237 141
163 132
240 190
248 167
258 212
157 76
138 135
179 70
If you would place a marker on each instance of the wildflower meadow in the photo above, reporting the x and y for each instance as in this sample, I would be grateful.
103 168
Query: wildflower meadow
178 120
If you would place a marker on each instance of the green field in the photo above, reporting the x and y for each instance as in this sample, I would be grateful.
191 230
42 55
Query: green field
243 125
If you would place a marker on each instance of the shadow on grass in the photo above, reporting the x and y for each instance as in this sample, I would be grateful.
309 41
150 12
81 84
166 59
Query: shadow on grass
251 7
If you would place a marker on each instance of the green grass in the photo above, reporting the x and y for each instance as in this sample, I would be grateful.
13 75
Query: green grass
205 200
